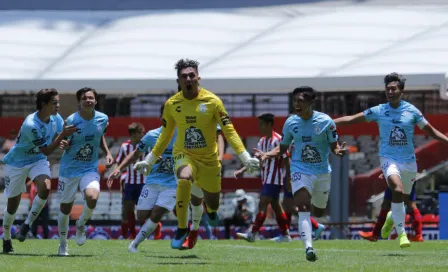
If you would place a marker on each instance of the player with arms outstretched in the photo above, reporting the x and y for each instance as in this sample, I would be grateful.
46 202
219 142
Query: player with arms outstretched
314 135
195 112
40 134
396 121
79 165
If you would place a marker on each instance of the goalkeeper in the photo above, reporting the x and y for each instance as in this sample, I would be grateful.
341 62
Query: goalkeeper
195 112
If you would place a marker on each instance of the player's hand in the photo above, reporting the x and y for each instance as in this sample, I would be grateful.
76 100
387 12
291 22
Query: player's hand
69 130
114 175
238 174
145 166
109 160
341 149
64 144
251 164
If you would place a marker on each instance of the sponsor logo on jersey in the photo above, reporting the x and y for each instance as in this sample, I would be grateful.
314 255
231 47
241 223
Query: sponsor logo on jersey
397 137
190 119
194 138
310 155
85 153
306 139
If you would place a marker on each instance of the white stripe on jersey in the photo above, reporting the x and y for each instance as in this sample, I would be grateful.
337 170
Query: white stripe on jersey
272 171
132 177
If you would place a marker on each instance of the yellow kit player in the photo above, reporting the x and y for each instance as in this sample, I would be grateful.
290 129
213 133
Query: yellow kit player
195 112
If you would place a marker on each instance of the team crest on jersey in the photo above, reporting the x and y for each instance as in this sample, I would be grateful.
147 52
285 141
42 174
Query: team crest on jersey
194 138
85 153
316 130
166 166
397 136
202 108
310 155
406 113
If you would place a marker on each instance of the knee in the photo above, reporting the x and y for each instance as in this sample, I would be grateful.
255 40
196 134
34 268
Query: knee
43 193
302 198
66 209
141 217
317 212
91 203
398 190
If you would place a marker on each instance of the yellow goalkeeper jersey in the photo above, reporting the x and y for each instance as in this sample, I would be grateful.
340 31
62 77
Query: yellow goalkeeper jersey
196 121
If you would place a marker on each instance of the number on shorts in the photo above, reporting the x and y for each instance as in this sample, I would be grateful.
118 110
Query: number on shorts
144 193
7 180
61 186
296 177
385 165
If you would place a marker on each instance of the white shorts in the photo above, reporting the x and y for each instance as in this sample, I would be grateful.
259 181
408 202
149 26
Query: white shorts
406 171
67 187
317 185
15 178
153 194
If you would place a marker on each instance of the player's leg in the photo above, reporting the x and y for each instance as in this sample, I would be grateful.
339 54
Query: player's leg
385 208
67 188
282 221
40 175
417 222
197 197
14 187
135 194
127 206
302 187
265 199
90 188
393 176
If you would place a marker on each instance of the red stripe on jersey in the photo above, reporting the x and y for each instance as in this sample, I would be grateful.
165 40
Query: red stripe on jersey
272 170
132 177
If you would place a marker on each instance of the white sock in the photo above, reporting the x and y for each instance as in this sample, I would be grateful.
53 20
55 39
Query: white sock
398 215
38 204
8 219
85 216
145 231
63 221
305 228
196 215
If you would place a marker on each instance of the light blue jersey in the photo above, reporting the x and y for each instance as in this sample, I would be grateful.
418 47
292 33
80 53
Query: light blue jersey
82 156
396 129
33 135
162 173
312 139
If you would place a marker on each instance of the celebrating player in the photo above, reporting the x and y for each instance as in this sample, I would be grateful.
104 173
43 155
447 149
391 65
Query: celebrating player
133 181
158 195
272 175
314 134
28 158
195 112
79 165
396 120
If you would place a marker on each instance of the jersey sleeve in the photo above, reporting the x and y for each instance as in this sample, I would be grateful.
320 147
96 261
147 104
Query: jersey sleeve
59 123
332 134
372 114
146 144
227 128
418 118
286 134
168 126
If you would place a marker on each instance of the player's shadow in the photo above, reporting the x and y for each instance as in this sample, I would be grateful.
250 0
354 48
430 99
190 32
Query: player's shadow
24 255
394 255
69 256
203 263
176 257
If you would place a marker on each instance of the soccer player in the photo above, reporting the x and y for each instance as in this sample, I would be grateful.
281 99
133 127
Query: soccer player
314 134
79 165
133 182
158 195
28 158
272 175
195 112
385 209
396 120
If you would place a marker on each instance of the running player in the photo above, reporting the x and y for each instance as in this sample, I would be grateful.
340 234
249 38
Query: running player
396 120
79 165
28 158
158 195
133 182
272 175
195 112
314 134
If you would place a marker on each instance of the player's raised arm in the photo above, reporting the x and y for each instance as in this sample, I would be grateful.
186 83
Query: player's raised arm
105 148
37 139
233 138
351 119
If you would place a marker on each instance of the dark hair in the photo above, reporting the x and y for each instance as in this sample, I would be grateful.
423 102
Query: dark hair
45 96
84 90
267 118
179 88
186 63
392 77
135 127
308 92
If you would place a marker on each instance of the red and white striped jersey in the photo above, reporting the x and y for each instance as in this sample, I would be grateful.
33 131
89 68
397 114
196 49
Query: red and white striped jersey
272 171
132 176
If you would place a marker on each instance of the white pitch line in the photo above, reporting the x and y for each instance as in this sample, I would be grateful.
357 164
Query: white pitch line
341 250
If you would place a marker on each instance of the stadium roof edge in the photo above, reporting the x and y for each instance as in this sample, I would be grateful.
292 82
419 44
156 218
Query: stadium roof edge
414 82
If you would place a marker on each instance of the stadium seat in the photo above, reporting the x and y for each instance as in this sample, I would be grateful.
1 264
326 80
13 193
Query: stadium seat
430 218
